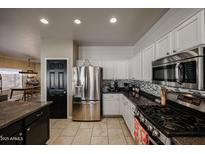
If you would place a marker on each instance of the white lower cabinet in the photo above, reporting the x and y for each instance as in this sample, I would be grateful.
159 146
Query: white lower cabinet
111 105
118 104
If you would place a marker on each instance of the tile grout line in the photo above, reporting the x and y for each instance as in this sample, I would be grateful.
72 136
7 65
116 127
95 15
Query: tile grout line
75 133
123 131
57 135
91 134
107 132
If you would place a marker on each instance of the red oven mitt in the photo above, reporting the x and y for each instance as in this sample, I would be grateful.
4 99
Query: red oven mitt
144 137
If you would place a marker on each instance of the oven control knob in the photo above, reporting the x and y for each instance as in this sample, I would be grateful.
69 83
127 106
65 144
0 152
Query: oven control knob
150 128
137 113
155 133
142 119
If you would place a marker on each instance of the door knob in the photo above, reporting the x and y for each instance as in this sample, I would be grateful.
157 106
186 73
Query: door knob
64 92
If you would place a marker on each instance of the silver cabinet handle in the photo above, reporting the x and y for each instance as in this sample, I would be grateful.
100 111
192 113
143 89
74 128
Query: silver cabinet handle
20 134
28 129
40 114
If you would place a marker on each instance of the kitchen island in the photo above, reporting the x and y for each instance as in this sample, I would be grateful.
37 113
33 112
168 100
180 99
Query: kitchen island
24 122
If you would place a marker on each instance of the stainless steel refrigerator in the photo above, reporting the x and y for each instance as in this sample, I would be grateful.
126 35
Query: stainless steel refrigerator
87 93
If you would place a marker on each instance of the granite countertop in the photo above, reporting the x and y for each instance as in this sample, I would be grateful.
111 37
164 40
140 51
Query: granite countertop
11 112
142 100
189 140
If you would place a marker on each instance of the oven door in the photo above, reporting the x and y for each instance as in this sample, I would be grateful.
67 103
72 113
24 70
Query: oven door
182 74
143 137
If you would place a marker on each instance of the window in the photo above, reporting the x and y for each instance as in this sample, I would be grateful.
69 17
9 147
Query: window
10 78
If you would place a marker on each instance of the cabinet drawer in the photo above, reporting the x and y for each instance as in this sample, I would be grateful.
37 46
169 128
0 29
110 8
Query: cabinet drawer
37 115
111 96
107 96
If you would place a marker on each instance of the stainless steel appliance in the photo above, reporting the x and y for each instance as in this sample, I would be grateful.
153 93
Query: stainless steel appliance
178 119
184 69
87 93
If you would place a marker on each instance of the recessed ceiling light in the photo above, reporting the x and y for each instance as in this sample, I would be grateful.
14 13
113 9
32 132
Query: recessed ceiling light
77 21
113 20
44 21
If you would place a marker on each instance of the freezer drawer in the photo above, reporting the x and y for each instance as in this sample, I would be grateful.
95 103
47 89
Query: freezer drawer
86 111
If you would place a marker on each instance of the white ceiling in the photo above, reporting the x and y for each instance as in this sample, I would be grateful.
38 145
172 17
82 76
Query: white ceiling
21 32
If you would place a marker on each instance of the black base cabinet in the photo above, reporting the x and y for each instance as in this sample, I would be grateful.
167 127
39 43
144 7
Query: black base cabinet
37 128
12 135
32 130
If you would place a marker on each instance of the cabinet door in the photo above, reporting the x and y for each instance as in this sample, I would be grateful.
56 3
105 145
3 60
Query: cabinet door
190 33
108 69
164 46
127 112
111 108
121 69
138 66
38 132
121 104
147 58
12 134
132 120
111 104
131 68
124 109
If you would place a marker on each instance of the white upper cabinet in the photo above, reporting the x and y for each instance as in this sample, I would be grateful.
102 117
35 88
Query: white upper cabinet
164 46
138 66
121 69
131 68
135 66
115 69
108 70
147 58
190 33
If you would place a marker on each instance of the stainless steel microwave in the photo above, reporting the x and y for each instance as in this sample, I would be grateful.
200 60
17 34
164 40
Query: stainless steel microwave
183 70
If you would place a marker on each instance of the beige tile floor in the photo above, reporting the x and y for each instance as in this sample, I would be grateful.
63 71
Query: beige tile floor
109 131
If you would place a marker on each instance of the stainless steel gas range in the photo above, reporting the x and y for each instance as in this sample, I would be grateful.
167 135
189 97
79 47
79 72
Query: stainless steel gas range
161 124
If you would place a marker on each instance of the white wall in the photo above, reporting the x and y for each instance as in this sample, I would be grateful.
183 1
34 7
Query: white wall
56 49
105 52
165 24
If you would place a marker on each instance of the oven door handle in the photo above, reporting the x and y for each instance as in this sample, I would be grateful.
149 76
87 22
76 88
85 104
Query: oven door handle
152 141
179 73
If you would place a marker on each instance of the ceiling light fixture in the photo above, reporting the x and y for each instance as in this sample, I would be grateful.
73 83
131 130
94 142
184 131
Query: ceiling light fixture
77 21
113 20
44 21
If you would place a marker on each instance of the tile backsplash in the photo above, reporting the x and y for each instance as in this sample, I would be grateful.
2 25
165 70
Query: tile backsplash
148 86
145 86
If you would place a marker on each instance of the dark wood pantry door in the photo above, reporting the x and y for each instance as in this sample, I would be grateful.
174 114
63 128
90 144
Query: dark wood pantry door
57 87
